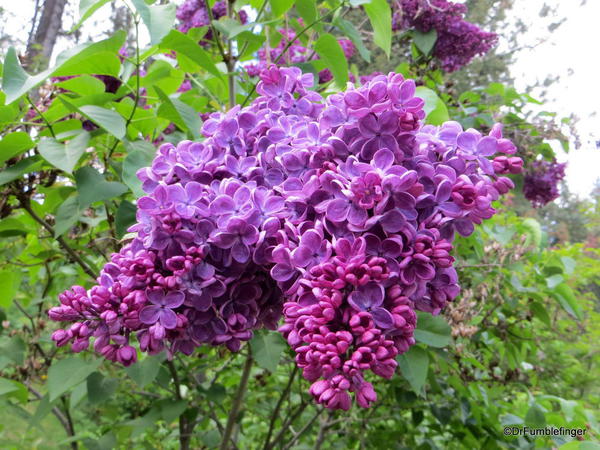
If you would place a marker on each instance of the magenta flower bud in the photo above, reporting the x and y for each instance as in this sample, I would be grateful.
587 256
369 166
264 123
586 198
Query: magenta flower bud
127 355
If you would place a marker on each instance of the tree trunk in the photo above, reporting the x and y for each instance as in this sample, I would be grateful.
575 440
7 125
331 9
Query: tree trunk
39 49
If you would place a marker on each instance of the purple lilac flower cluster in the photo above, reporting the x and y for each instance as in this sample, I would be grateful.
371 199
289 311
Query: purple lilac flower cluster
540 184
295 53
337 213
458 41
194 14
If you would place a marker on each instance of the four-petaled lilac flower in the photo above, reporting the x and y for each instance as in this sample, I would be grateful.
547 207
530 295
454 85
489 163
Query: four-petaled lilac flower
240 235
378 132
187 200
161 309
369 298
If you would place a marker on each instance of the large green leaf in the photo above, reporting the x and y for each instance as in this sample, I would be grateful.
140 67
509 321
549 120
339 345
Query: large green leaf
86 9
145 371
267 348
67 215
100 388
158 19
565 296
10 280
12 388
280 7
14 144
24 166
349 30
124 218
435 108
89 58
135 160
107 119
425 41
380 15
331 53
414 365
83 85
67 373
92 187
64 156
432 330
183 44
179 113
307 9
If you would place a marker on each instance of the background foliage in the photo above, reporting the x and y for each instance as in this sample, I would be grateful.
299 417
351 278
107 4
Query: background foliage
518 347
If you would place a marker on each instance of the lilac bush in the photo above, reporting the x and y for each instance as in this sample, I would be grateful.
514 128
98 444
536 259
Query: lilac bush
334 214
458 41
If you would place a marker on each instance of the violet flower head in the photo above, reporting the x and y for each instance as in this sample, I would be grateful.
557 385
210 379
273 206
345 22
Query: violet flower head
332 218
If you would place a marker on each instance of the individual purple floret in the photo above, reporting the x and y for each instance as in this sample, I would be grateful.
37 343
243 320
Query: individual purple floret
337 214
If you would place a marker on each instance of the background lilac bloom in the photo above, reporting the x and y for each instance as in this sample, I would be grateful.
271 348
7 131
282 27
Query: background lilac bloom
370 298
161 309
312 249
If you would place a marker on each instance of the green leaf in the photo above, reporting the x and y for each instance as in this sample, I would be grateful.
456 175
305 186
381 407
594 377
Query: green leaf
554 281
183 44
13 388
10 280
83 85
24 166
109 120
352 33
331 53
14 144
540 312
124 218
569 264
158 19
67 373
434 108
535 416
86 9
134 161
67 215
230 28
179 113
92 187
100 388
145 371
89 58
280 7
380 15
534 232
432 330
414 365
267 348
15 81
425 41
307 9
565 296
64 156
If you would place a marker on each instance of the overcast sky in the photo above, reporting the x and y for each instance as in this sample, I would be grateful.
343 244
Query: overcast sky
571 52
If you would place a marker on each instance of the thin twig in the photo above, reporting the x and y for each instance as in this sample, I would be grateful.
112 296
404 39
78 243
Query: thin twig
26 205
275 413
288 45
184 433
237 401
286 425
303 430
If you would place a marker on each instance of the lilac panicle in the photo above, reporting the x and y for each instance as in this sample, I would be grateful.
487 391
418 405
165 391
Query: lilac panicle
336 214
